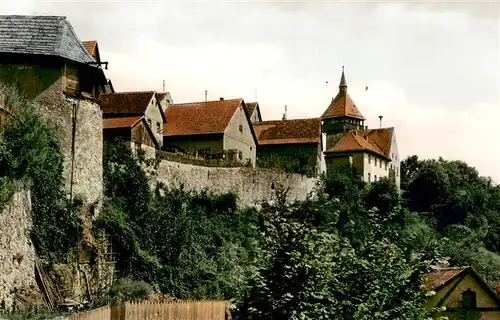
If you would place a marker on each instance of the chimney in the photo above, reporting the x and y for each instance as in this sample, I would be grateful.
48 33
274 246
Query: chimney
206 95
221 99
366 127
380 117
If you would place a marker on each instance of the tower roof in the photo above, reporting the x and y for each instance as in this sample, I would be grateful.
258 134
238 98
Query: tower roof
342 105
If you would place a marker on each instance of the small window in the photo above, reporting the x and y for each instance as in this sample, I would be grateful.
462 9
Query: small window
375 178
469 301
369 159
250 148
241 128
369 177
149 123
375 162
380 163
240 155
385 166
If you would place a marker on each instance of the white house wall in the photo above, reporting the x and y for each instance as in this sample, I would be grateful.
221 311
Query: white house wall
240 140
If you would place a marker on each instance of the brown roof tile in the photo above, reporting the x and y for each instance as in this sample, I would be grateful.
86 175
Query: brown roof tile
90 46
382 138
200 117
125 102
288 131
441 277
351 141
342 106
123 122
250 106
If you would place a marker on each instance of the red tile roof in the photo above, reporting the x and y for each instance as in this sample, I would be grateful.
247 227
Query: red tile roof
291 131
441 277
123 122
125 102
352 141
200 117
382 138
90 46
250 106
342 106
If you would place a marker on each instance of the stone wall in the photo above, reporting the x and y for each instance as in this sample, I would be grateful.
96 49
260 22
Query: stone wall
250 185
17 254
87 161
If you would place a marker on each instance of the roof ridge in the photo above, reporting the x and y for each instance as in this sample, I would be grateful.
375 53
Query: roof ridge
199 102
130 92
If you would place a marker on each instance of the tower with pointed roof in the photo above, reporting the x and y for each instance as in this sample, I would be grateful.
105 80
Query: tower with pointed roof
342 115
373 152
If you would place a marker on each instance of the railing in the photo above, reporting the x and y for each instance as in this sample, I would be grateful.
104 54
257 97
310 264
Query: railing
175 310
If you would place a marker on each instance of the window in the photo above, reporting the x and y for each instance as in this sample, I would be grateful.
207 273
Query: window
375 178
158 127
369 159
240 127
375 162
369 177
240 155
386 165
380 163
469 299
149 122
250 148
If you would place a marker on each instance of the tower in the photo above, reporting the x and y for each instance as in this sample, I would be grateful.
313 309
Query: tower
341 116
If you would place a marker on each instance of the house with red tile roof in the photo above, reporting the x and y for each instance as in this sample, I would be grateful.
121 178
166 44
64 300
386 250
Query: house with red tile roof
133 105
464 294
253 111
348 141
294 144
215 129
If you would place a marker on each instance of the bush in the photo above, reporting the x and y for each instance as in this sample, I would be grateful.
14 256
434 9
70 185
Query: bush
128 290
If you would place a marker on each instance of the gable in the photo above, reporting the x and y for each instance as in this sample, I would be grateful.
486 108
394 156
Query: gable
241 117
154 110
450 283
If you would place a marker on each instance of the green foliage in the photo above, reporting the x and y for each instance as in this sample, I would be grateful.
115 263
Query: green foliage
30 314
30 153
128 290
298 163
191 245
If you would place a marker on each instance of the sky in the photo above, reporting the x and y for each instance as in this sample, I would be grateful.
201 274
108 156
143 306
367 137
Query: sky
432 68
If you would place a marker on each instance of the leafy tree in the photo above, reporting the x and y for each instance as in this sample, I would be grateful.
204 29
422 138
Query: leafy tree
30 152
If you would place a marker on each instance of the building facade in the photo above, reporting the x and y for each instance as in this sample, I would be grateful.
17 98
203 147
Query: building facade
347 140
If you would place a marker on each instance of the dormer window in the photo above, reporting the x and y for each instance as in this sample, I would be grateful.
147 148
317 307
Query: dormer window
469 301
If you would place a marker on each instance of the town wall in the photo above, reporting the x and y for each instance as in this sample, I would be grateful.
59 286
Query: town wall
85 161
17 254
250 185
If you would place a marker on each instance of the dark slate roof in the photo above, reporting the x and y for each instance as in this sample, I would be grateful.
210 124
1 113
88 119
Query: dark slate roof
41 35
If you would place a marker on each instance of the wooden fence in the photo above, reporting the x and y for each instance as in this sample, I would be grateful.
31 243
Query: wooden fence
176 310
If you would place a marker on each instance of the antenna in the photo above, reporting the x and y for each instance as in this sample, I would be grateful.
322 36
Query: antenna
255 94
206 95
380 118
163 85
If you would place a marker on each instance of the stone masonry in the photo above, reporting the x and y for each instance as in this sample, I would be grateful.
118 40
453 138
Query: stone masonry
17 254
250 185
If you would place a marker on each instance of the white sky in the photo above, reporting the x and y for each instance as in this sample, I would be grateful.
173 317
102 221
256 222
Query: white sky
432 68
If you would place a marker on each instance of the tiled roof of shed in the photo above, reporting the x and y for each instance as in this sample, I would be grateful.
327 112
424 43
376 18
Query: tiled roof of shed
200 117
41 35
135 102
440 277
123 122
291 131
